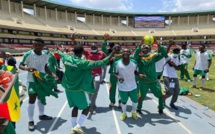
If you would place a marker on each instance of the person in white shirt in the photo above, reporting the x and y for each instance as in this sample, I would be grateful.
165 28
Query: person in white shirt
201 66
206 75
170 77
32 60
159 65
125 70
185 55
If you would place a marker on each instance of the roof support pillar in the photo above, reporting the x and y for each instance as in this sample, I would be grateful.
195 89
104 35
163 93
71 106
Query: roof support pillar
75 17
127 21
9 8
22 8
178 20
1 4
56 15
197 20
35 10
208 19
118 20
93 19
46 13
102 19
66 16
169 21
188 20
85 16
110 20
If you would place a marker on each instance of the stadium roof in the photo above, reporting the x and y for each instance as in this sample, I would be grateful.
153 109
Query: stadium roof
81 10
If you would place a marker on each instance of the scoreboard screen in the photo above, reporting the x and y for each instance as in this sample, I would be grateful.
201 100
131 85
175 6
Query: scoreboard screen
149 22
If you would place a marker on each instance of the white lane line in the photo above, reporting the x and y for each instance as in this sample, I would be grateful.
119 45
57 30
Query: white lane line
56 119
168 113
174 32
114 115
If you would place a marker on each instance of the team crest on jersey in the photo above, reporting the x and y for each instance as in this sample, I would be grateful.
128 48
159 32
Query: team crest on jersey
31 89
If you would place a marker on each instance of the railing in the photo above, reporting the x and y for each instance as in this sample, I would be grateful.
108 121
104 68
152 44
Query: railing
17 54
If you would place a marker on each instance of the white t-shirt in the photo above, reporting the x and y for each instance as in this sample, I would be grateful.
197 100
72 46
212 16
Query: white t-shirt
160 64
127 73
183 58
202 60
171 71
36 61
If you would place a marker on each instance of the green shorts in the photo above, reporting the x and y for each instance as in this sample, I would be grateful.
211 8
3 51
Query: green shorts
132 94
78 99
185 65
31 88
199 72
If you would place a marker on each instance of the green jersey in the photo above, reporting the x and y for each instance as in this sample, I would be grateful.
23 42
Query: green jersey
116 56
78 73
185 55
146 64
52 63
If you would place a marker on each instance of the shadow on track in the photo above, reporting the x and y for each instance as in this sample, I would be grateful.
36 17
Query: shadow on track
44 126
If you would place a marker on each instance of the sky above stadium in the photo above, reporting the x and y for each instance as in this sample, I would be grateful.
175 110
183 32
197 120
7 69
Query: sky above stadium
144 5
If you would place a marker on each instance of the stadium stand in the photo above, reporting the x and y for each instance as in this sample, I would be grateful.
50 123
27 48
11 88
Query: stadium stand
54 22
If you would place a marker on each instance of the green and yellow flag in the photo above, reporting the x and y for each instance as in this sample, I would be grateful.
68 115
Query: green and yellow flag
44 85
10 106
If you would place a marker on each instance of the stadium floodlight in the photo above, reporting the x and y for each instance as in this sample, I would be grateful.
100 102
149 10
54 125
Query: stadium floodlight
82 19
124 22
28 11
168 22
